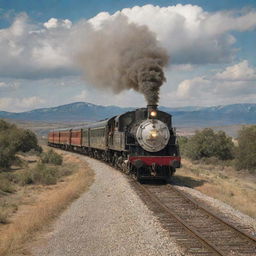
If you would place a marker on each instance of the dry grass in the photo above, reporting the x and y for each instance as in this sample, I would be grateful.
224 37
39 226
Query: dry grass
3 216
221 182
47 206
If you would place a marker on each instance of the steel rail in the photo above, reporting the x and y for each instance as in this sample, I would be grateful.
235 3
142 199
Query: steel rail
246 244
212 248
201 206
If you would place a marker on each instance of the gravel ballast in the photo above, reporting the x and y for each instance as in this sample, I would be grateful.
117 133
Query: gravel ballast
227 212
109 219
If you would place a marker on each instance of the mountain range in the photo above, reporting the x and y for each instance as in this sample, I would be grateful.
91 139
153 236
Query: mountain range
182 117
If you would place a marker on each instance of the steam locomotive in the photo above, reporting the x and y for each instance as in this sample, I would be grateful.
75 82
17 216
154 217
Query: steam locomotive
140 142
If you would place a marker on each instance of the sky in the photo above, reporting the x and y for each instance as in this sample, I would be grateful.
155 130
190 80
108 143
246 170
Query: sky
211 47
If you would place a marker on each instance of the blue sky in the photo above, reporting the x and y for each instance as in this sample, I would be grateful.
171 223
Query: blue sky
42 10
211 45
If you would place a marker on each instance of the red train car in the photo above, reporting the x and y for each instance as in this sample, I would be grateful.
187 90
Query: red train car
51 137
65 137
54 137
76 137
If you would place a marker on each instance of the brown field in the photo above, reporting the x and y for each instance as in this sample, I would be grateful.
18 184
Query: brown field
32 207
236 188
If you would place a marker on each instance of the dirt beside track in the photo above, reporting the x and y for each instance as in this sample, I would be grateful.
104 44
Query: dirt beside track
39 205
109 219
112 219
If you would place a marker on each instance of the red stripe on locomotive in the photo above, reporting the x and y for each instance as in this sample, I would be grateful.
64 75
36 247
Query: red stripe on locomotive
159 160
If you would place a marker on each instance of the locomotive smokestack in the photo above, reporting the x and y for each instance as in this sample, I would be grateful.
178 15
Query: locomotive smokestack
152 111
152 107
121 55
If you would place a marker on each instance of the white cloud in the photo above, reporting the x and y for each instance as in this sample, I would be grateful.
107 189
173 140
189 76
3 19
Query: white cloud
51 23
235 84
239 72
183 67
191 35
3 84
31 102
55 23
12 85
28 51
5 103
186 88
82 96
22 104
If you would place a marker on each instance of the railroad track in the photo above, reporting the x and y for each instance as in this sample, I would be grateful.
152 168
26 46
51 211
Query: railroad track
192 225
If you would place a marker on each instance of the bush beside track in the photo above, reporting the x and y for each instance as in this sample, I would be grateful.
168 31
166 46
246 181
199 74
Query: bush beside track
14 140
211 147
41 183
230 178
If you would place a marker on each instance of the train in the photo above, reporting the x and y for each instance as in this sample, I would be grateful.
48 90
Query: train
142 142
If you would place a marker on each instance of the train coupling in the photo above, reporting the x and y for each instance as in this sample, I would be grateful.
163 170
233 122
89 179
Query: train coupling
153 169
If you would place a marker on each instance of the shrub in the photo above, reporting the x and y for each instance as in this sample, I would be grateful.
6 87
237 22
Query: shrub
5 126
246 150
12 140
24 178
51 157
7 157
40 174
3 216
182 141
7 150
27 141
5 184
44 175
206 143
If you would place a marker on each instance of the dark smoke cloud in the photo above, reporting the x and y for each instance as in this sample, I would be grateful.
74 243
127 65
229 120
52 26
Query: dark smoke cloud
122 55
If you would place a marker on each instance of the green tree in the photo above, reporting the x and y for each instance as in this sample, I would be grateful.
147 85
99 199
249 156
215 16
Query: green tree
27 140
246 151
12 140
182 141
7 150
5 126
207 143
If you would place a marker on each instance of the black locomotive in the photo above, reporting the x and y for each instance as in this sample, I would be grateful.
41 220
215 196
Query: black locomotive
141 142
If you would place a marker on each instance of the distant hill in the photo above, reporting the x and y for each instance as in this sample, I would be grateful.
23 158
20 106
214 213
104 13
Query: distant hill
182 117
217 116
74 112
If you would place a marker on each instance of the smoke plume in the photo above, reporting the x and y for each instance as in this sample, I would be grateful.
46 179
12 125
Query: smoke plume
121 55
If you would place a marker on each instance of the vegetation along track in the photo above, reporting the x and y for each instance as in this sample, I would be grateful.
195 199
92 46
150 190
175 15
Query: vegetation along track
192 225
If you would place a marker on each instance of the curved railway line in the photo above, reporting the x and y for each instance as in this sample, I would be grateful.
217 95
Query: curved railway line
143 143
193 226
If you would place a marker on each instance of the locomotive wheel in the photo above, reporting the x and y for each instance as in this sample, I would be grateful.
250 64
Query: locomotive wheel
137 175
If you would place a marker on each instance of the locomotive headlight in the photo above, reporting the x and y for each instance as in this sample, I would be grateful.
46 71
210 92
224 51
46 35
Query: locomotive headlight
153 134
153 113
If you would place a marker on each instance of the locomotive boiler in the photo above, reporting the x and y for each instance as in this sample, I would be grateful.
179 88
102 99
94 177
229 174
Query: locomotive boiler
140 142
